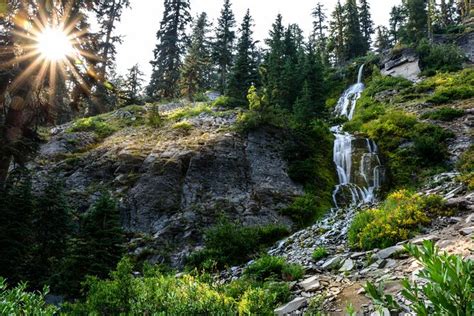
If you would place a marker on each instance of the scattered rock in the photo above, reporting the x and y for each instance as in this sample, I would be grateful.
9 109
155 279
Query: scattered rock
389 252
292 306
332 263
347 266
310 284
467 231
421 240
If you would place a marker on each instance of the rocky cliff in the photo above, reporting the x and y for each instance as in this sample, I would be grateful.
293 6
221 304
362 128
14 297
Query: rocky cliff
174 181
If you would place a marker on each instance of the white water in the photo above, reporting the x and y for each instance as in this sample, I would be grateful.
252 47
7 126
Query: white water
347 103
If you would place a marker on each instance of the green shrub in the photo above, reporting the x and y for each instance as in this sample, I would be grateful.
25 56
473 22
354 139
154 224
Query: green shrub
383 83
17 301
450 287
448 94
466 167
319 253
400 216
190 111
439 57
444 114
154 118
275 268
228 102
183 126
201 97
230 244
96 124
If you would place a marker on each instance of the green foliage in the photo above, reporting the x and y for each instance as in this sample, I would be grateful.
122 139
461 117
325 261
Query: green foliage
448 94
263 300
309 153
228 243
96 249
450 287
383 83
319 253
444 114
190 111
183 126
154 118
96 124
17 301
400 216
228 102
466 167
275 268
439 57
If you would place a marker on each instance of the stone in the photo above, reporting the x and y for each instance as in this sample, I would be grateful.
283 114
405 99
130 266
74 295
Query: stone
470 219
405 64
332 263
467 231
347 266
384 312
292 306
310 284
445 243
421 240
390 251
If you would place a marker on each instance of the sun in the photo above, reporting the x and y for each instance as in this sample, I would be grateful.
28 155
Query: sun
54 44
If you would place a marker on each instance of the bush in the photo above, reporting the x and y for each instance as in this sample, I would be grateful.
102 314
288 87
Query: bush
154 118
231 244
184 126
17 301
448 94
319 253
400 216
275 268
450 287
439 57
383 83
96 124
228 102
201 97
466 167
444 114
190 111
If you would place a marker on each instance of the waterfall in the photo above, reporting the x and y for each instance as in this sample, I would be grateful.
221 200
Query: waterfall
356 185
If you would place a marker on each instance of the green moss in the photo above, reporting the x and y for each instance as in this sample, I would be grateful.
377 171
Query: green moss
97 124
190 111
183 126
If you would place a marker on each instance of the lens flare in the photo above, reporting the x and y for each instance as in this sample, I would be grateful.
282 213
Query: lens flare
54 44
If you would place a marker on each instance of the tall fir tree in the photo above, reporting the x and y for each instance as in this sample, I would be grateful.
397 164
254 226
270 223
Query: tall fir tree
223 47
244 72
337 43
417 21
366 23
447 12
196 70
397 21
274 63
354 40
319 26
172 42
133 84
382 40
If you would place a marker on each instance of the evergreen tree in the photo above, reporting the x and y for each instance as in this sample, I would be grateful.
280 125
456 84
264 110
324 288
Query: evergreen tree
319 26
133 84
417 21
382 41
172 42
244 72
97 248
274 63
196 70
366 24
336 29
397 20
223 47
447 12
16 227
52 229
353 37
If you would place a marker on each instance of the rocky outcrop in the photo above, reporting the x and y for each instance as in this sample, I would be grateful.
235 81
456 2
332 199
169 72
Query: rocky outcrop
404 64
171 183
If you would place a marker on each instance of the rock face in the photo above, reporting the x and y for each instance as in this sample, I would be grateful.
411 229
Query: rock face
172 184
466 43
405 64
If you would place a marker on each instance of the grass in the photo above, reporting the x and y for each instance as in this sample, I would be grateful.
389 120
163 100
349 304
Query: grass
190 111
319 253
274 268
466 167
444 114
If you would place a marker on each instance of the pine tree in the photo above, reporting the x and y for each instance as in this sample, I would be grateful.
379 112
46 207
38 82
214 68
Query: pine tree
52 229
366 24
336 29
244 72
353 38
133 84
16 226
397 21
417 21
319 26
172 42
96 249
223 47
196 70
382 41
448 12
274 63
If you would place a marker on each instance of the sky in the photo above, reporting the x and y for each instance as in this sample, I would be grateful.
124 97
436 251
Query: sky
140 23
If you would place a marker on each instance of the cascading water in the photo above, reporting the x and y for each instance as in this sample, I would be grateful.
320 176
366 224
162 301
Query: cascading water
360 174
